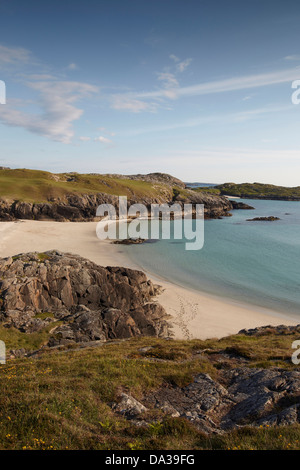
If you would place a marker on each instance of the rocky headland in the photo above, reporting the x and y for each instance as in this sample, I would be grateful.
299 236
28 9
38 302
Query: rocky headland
74 197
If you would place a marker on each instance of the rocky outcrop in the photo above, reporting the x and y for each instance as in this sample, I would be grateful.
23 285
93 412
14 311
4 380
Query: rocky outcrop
214 206
88 301
130 241
239 397
263 219
240 205
271 330
128 406
78 208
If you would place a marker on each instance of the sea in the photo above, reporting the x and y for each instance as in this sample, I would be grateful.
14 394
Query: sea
257 263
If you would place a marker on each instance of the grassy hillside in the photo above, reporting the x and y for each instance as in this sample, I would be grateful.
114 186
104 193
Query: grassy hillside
41 186
60 399
208 190
254 190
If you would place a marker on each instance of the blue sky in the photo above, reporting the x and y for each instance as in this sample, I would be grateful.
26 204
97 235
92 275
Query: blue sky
198 89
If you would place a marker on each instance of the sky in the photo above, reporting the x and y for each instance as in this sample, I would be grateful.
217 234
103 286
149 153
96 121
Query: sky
200 89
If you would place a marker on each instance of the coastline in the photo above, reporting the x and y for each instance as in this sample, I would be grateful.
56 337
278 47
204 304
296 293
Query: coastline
193 314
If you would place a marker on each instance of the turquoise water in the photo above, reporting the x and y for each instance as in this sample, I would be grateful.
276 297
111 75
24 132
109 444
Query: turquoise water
253 262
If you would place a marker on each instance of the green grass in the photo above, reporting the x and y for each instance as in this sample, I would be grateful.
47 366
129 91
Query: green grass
208 189
15 339
259 190
252 190
42 186
60 399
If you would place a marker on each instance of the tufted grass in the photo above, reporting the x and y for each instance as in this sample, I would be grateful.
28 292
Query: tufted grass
42 186
60 399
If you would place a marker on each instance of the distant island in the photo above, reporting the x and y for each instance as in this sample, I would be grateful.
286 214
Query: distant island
253 191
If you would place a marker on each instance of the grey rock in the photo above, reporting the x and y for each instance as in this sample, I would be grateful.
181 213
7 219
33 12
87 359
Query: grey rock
93 302
129 406
249 397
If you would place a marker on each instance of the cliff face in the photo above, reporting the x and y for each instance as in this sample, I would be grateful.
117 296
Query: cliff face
90 302
84 207
214 206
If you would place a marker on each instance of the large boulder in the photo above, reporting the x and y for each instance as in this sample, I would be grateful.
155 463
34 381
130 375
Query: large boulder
93 302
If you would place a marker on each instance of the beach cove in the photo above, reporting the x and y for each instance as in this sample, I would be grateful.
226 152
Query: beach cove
194 314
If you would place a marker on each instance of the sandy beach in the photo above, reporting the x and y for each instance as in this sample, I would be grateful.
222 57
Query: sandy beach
193 314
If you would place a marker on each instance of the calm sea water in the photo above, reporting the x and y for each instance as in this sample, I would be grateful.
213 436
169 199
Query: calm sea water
253 262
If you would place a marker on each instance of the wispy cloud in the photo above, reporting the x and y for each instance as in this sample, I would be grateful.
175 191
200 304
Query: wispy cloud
14 55
39 76
54 97
169 79
206 88
103 140
84 139
174 57
293 57
181 65
125 103
170 84
58 111
229 118
72 66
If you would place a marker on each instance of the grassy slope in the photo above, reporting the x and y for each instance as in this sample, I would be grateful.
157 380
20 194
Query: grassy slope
255 190
41 186
61 399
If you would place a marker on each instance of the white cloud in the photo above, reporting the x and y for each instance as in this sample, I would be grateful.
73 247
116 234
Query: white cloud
137 102
58 112
169 79
183 65
103 140
125 103
180 65
292 57
40 76
72 66
84 139
14 55
233 118
174 57
241 83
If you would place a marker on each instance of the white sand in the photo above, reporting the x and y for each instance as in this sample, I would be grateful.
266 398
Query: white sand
194 314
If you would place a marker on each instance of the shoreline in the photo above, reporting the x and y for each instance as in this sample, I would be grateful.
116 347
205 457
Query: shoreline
194 314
